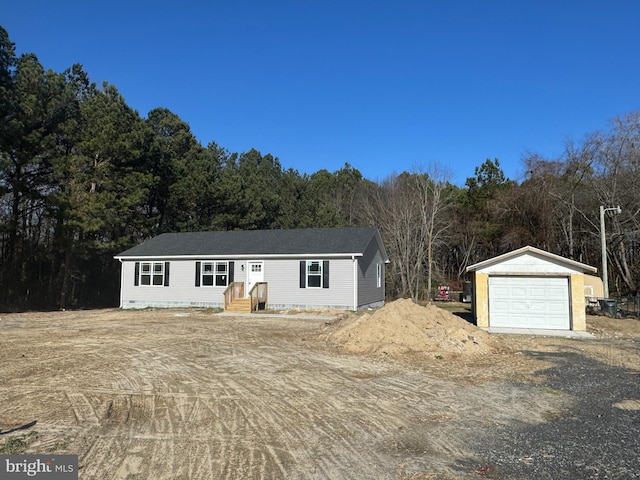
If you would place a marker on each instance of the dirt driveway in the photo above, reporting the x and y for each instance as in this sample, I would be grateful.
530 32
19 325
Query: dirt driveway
187 394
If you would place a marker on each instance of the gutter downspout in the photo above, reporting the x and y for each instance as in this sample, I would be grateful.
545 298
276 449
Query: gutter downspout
355 283
121 283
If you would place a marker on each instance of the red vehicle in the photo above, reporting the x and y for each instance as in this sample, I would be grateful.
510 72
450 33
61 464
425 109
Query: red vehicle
442 295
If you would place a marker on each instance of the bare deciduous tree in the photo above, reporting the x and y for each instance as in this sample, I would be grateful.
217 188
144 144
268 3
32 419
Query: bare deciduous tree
411 211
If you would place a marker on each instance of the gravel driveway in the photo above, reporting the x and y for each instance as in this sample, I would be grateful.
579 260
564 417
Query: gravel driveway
598 437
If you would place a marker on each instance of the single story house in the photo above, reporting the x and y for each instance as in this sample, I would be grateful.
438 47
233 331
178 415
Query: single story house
530 288
315 268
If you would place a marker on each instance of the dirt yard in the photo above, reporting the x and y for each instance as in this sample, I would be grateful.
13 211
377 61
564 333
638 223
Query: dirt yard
189 394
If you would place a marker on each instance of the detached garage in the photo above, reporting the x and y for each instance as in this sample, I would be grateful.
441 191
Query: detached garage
530 288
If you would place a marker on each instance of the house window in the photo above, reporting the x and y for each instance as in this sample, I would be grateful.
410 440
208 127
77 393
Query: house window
379 275
314 274
152 274
215 274
207 274
222 269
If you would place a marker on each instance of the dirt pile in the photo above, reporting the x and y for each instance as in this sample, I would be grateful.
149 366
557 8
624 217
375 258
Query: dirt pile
403 326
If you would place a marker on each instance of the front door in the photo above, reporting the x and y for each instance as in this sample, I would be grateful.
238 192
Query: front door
255 274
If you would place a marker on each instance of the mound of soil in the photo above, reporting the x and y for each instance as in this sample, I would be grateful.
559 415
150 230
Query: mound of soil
403 326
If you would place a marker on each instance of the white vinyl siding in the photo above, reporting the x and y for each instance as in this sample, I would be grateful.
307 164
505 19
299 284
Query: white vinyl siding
529 263
282 275
283 278
181 292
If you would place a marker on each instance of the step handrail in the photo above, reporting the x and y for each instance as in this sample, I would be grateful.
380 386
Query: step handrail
233 291
259 294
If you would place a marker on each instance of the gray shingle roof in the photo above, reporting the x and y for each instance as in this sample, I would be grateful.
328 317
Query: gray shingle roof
311 241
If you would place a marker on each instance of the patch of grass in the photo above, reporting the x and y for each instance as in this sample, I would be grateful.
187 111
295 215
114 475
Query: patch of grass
454 306
212 310
18 444
552 391
59 445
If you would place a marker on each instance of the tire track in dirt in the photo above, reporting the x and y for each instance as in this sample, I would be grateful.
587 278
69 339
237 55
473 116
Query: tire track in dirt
272 424
248 424
146 395
318 414
82 409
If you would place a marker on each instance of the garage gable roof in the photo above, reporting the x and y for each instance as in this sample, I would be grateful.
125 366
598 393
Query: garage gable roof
308 241
534 251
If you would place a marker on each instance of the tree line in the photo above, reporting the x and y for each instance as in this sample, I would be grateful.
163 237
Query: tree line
83 177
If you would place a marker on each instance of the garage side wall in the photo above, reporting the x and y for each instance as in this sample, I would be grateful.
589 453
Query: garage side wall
481 295
578 303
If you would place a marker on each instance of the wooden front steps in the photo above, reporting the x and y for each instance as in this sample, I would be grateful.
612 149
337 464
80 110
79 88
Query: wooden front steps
239 305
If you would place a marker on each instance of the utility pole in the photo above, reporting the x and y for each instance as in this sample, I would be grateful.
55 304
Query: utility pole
603 242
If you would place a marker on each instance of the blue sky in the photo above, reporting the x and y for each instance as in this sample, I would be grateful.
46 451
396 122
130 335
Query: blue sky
385 86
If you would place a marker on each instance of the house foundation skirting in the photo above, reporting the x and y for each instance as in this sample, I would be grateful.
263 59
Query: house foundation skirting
133 304
138 304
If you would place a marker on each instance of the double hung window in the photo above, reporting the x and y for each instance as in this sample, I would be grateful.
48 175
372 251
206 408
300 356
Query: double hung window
314 274
215 274
152 274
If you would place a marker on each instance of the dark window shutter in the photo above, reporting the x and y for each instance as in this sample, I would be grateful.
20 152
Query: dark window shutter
136 278
303 274
166 274
325 274
230 272
197 274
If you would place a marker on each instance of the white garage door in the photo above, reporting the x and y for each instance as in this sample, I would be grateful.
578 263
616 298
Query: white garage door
529 302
